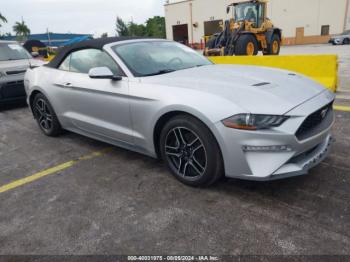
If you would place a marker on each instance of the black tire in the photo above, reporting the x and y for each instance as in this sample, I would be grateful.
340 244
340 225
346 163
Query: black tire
242 44
346 41
211 43
45 116
198 164
270 47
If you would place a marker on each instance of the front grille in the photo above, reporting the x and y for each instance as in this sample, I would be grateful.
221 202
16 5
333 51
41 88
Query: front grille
15 72
303 155
12 83
13 89
316 122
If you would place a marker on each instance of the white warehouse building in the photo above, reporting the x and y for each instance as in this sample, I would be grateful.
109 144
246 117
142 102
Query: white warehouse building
302 21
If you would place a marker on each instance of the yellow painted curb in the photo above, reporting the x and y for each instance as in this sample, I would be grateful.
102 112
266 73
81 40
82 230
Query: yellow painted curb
342 108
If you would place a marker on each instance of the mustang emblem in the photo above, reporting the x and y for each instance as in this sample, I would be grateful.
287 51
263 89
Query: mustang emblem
324 113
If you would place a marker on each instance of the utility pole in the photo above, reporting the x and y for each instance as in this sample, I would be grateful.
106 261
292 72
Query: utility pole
48 36
347 15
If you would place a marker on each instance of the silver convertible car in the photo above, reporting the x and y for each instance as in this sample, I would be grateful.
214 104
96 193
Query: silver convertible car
165 100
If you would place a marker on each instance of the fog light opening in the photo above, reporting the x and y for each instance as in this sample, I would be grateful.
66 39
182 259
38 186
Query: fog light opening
283 148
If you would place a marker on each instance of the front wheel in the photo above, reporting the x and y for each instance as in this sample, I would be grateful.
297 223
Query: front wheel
346 41
190 151
246 45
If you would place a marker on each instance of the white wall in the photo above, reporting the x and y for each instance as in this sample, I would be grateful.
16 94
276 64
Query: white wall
205 10
177 14
286 14
310 14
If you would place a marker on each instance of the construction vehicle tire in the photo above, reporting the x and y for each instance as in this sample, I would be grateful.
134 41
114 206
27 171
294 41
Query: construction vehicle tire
211 43
246 45
274 47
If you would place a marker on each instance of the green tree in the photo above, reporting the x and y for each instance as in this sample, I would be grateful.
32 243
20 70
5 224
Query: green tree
21 30
136 29
155 27
121 27
2 19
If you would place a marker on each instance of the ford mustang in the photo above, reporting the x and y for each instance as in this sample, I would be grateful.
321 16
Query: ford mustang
163 99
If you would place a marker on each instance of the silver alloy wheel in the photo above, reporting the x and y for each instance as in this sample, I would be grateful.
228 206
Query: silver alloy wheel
43 114
186 153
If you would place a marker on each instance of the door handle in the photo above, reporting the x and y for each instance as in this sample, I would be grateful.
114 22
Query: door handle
64 85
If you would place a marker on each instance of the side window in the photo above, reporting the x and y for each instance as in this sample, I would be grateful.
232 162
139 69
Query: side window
260 15
65 64
251 14
82 61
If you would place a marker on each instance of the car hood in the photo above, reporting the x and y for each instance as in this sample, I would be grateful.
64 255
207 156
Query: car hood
17 67
255 89
23 63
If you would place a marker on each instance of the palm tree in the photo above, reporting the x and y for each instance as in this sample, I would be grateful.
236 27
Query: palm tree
2 19
21 30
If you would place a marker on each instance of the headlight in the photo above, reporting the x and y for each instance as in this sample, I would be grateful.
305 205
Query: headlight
254 122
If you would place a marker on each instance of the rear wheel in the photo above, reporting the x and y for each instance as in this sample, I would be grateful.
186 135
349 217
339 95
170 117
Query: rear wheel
274 47
346 41
46 116
191 151
246 45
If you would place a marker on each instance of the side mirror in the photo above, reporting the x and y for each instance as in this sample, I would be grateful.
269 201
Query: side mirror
103 73
35 54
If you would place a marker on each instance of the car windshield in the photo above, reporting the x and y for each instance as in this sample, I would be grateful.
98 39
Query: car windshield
346 33
12 51
246 11
148 58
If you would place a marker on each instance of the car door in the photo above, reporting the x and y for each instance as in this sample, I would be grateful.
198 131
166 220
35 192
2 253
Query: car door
99 107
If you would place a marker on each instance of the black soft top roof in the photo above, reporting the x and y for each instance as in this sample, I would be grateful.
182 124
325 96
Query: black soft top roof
98 43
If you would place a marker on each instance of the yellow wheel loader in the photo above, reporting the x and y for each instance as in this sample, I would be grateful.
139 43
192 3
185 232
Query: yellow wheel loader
246 33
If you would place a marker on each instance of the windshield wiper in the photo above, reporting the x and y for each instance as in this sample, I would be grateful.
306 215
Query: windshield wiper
193 66
161 72
14 59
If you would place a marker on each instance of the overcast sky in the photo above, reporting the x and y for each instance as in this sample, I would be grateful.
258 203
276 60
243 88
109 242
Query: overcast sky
77 16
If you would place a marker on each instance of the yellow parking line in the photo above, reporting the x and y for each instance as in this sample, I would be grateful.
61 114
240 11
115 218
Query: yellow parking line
50 171
342 108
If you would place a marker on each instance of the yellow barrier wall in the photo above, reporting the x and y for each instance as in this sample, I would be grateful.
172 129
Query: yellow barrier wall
321 68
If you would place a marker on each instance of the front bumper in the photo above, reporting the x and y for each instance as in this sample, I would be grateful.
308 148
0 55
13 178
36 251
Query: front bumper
12 90
301 164
301 156
335 41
